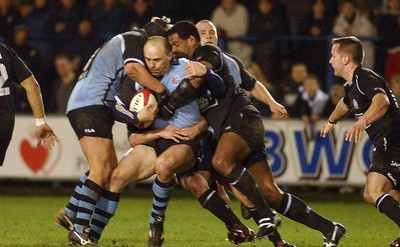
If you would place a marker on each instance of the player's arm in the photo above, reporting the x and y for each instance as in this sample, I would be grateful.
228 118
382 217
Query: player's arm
139 73
341 110
261 93
44 133
380 104
122 114
170 132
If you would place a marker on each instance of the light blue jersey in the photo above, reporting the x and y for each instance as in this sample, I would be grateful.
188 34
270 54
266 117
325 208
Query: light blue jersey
233 68
187 115
102 75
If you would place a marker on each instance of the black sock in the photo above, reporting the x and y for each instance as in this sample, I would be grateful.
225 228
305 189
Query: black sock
295 209
242 181
274 237
390 207
211 201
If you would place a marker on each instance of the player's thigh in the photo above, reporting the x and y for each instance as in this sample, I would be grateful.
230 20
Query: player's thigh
377 184
139 163
230 148
100 154
177 158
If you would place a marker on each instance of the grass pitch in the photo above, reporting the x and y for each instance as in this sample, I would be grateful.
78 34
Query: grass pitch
26 219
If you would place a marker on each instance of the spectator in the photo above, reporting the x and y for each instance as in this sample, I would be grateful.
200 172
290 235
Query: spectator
9 19
317 25
352 22
31 57
335 94
65 18
232 21
139 12
316 99
85 43
107 18
63 84
389 31
293 87
267 22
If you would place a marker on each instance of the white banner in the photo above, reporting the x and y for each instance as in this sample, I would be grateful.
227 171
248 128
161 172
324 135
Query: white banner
297 155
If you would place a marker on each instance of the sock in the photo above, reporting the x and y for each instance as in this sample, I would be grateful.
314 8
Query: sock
211 201
90 193
295 209
105 209
390 207
161 194
72 206
274 237
242 181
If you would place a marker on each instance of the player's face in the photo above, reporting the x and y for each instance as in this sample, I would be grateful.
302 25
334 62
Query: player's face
158 61
336 60
181 47
208 33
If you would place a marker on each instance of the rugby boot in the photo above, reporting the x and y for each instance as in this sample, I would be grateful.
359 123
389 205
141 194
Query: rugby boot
395 243
63 220
266 226
240 233
156 235
76 238
283 243
332 239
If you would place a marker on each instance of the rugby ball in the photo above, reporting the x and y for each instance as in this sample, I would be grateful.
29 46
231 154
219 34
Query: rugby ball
140 100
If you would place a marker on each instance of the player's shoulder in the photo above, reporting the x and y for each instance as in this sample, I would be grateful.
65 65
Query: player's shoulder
6 49
209 48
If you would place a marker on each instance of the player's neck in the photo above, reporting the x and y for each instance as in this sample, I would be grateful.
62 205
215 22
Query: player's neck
349 73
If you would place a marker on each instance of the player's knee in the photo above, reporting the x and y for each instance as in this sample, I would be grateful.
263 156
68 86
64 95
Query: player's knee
196 186
117 181
221 164
368 196
163 169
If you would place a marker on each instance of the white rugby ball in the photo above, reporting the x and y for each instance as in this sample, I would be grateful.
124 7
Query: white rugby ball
140 100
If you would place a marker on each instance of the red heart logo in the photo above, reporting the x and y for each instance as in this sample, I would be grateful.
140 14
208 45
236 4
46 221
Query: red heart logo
34 157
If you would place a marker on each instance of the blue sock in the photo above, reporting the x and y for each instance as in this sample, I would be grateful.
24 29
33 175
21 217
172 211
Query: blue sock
105 209
161 194
90 193
72 206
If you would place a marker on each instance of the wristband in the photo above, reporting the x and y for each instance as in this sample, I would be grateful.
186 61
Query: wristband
40 121
329 121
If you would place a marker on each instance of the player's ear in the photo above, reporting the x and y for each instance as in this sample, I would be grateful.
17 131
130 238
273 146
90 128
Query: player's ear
170 56
346 59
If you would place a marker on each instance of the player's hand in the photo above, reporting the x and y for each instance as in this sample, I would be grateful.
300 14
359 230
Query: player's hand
173 133
148 113
279 110
190 132
326 129
195 69
356 131
46 136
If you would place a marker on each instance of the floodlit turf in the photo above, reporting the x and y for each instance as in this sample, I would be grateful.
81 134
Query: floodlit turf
27 220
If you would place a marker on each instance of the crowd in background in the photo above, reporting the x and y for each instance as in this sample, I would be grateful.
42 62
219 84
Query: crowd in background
284 43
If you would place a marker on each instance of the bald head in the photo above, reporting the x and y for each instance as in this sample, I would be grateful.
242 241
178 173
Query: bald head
208 32
157 55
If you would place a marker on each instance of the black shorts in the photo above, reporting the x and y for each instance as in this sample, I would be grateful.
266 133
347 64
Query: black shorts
386 161
247 123
96 121
160 145
4 142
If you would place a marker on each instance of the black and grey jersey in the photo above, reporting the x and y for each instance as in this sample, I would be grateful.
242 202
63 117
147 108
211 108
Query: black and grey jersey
216 110
365 85
12 70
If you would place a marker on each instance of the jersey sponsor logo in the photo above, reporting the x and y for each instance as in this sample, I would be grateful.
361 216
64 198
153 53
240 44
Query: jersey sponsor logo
176 79
90 131
395 164
392 178
355 104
